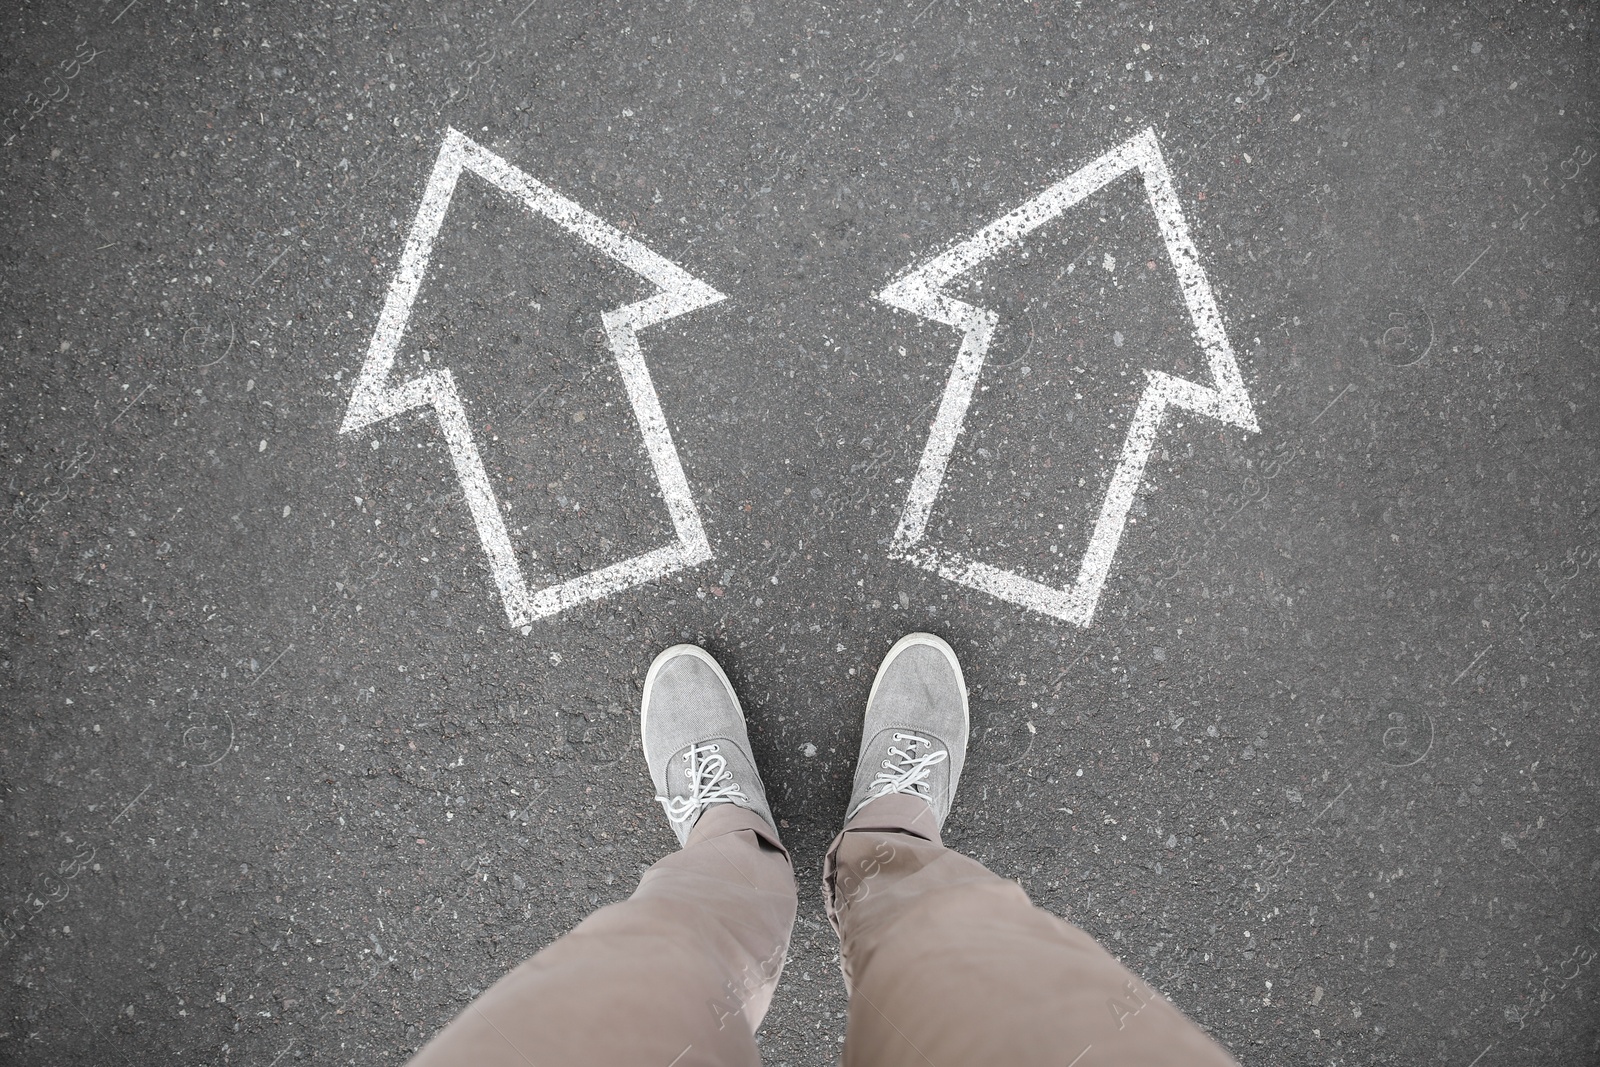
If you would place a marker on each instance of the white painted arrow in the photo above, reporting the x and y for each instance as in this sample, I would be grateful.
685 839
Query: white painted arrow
375 398
922 292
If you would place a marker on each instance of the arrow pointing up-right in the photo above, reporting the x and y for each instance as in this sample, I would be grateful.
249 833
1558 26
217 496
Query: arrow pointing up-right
922 292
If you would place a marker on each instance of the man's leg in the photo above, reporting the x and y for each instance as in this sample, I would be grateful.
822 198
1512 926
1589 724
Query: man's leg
947 963
679 973
682 972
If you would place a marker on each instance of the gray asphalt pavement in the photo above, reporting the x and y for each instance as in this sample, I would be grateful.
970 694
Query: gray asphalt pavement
300 749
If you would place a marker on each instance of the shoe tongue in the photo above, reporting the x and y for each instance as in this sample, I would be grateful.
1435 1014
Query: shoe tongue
915 749
934 775
680 780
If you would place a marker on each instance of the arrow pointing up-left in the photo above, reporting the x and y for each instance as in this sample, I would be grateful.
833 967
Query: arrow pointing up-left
376 398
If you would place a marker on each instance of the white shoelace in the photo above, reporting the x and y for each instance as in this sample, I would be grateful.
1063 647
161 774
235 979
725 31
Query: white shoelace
710 782
910 773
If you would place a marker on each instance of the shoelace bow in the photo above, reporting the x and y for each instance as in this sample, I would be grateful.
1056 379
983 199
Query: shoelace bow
910 774
710 782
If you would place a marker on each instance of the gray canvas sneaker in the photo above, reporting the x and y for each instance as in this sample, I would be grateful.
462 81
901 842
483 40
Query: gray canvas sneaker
915 737
695 739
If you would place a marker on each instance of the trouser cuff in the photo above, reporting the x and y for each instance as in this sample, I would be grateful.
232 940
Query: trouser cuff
721 819
897 813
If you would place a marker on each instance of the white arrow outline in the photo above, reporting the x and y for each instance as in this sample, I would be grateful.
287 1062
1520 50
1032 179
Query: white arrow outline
374 399
921 292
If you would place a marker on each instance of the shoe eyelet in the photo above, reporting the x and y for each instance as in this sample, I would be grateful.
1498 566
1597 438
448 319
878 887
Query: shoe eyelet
886 763
716 748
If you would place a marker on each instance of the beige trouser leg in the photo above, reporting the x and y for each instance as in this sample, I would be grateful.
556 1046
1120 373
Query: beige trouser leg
949 964
679 974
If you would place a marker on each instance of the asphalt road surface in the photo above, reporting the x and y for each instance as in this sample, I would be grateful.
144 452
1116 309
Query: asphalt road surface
309 735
